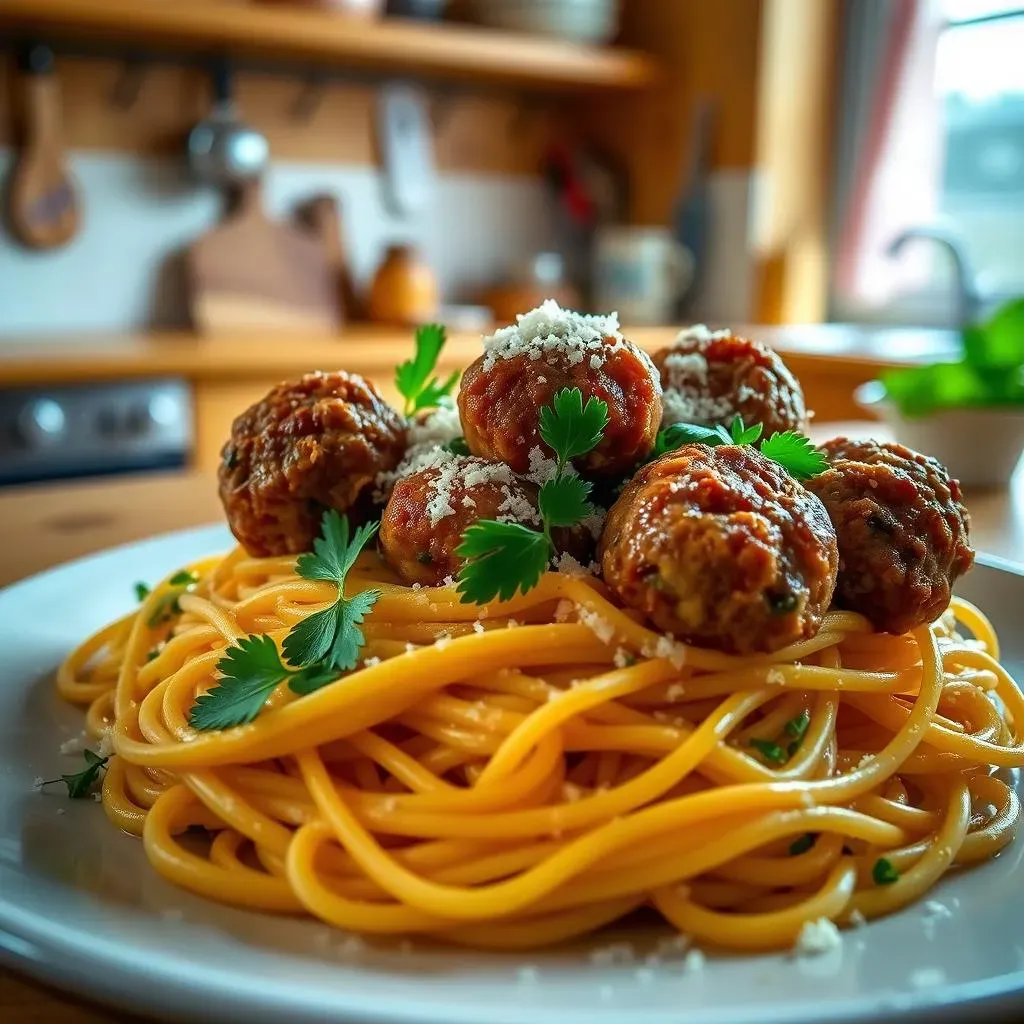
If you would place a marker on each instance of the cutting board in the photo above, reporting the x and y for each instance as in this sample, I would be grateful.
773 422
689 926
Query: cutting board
258 276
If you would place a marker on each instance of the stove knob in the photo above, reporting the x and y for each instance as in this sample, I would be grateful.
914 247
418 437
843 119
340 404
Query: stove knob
41 423
159 412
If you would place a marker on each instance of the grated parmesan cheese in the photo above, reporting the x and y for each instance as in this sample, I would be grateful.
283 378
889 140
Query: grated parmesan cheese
616 953
775 677
667 648
601 628
701 332
571 793
622 658
675 691
478 627
818 937
439 428
569 566
564 610
371 662
554 334
442 641
928 977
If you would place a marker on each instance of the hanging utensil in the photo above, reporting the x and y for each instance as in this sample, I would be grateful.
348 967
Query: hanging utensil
45 209
222 150
691 220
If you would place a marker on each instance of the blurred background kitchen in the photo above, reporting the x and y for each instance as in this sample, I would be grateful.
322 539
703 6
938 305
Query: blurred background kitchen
201 197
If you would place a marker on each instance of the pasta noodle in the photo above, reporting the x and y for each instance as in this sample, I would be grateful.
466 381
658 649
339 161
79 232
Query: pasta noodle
510 784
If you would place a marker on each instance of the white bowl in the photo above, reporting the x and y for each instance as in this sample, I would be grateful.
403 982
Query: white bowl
979 446
579 21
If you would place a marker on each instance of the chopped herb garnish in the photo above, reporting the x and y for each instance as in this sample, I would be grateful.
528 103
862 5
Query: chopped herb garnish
796 727
320 647
80 783
412 378
141 591
457 446
794 452
803 844
769 750
884 873
507 557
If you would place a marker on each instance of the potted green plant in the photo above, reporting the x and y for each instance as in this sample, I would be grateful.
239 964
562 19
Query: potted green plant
968 413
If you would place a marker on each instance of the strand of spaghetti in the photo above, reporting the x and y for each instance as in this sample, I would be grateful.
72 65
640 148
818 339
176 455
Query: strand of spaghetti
936 860
772 930
69 684
366 697
242 886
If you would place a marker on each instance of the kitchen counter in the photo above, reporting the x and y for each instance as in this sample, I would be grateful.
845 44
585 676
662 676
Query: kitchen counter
366 348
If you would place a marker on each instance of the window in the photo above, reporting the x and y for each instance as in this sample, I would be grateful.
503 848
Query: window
931 135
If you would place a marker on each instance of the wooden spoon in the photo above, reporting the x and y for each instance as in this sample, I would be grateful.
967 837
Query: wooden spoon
44 206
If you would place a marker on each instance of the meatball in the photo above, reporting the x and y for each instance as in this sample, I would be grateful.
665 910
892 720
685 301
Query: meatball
430 509
902 529
721 548
710 378
525 366
310 445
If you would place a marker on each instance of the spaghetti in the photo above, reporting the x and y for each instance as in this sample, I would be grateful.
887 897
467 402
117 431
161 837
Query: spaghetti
510 784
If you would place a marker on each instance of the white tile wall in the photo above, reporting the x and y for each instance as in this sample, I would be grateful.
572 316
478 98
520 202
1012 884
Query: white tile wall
121 273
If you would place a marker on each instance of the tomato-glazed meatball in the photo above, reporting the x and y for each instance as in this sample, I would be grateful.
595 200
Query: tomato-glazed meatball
549 349
721 548
310 445
711 377
430 509
902 529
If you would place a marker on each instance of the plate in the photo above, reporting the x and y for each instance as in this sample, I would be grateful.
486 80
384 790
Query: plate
80 907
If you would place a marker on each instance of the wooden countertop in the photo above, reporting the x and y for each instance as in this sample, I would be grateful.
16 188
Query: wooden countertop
45 525
365 348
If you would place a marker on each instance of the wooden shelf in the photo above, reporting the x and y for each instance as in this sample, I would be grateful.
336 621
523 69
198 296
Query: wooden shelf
388 46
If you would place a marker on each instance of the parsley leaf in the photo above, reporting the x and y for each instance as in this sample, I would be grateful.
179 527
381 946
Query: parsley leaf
796 727
80 783
769 750
183 578
570 428
321 646
412 378
332 633
744 435
251 670
457 446
141 591
504 558
679 434
564 501
795 453
884 873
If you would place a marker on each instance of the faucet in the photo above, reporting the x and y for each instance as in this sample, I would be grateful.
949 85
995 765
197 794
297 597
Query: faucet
968 301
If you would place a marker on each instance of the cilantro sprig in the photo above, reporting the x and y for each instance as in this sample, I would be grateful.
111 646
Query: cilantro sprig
80 784
794 452
504 558
884 872
318 649
168 605
413 377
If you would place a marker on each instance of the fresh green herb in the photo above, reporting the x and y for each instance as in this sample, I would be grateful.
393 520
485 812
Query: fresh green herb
412 378
153 654
141 591
883 872
797 727
741 434
457 446
769 750
989 371
320 647
794 453
168 605
250 672
679 434
80 783
803 844
503 558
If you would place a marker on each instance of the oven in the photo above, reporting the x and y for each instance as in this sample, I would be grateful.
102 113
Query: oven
95 429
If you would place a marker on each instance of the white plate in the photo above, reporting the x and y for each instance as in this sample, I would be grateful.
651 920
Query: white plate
80 907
